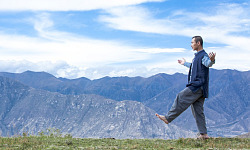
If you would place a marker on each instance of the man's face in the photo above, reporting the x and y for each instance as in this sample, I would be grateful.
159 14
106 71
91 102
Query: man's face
194 45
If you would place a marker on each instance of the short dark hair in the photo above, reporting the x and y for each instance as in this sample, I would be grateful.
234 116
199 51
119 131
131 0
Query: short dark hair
198 39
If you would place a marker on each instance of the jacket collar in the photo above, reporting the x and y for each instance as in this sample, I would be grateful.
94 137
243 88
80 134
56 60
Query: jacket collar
198 52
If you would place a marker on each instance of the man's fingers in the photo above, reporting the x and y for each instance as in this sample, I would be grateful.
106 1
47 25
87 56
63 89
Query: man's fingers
212 54
181 61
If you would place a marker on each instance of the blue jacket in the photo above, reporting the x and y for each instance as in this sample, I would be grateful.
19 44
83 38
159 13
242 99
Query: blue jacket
198 76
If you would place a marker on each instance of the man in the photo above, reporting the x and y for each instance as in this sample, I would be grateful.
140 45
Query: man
197 88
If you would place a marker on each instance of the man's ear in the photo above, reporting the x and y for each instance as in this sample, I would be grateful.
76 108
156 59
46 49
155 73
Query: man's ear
198 43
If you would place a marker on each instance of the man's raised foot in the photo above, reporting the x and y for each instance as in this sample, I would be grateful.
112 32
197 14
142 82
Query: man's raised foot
163 118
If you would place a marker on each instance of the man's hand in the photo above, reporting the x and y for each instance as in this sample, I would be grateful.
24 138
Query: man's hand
182 61
212 56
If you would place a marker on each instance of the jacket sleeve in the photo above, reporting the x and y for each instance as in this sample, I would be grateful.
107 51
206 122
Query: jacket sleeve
207 62
187 64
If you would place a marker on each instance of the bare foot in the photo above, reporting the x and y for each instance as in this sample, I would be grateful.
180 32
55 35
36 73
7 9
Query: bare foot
163 118
203 137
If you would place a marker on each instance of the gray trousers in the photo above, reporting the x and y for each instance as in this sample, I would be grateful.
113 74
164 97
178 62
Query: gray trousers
183 100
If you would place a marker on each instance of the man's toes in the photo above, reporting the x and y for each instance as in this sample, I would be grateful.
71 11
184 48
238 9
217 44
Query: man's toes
162 118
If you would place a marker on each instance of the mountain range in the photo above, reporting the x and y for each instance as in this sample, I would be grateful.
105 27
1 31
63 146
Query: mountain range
24 109
226 109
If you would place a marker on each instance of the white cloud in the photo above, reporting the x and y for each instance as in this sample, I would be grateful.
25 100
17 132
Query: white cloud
63 69
226 24
138 19
24 65
70 55
223 20
42 22
75 50
74 57
55 46
66 5
229 58
161 50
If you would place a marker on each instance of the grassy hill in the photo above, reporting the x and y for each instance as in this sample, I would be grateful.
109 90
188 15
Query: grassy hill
67 142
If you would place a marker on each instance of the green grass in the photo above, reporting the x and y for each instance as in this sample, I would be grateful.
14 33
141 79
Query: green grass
67 142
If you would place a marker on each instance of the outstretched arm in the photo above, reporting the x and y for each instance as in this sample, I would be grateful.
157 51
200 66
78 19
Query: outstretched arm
183 62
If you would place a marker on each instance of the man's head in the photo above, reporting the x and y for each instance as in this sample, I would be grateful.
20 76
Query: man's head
197 43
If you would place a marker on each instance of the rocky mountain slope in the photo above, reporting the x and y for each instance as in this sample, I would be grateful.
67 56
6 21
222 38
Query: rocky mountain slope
226 109
247 135
25 109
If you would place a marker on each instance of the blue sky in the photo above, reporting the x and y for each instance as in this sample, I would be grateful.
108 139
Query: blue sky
120 38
